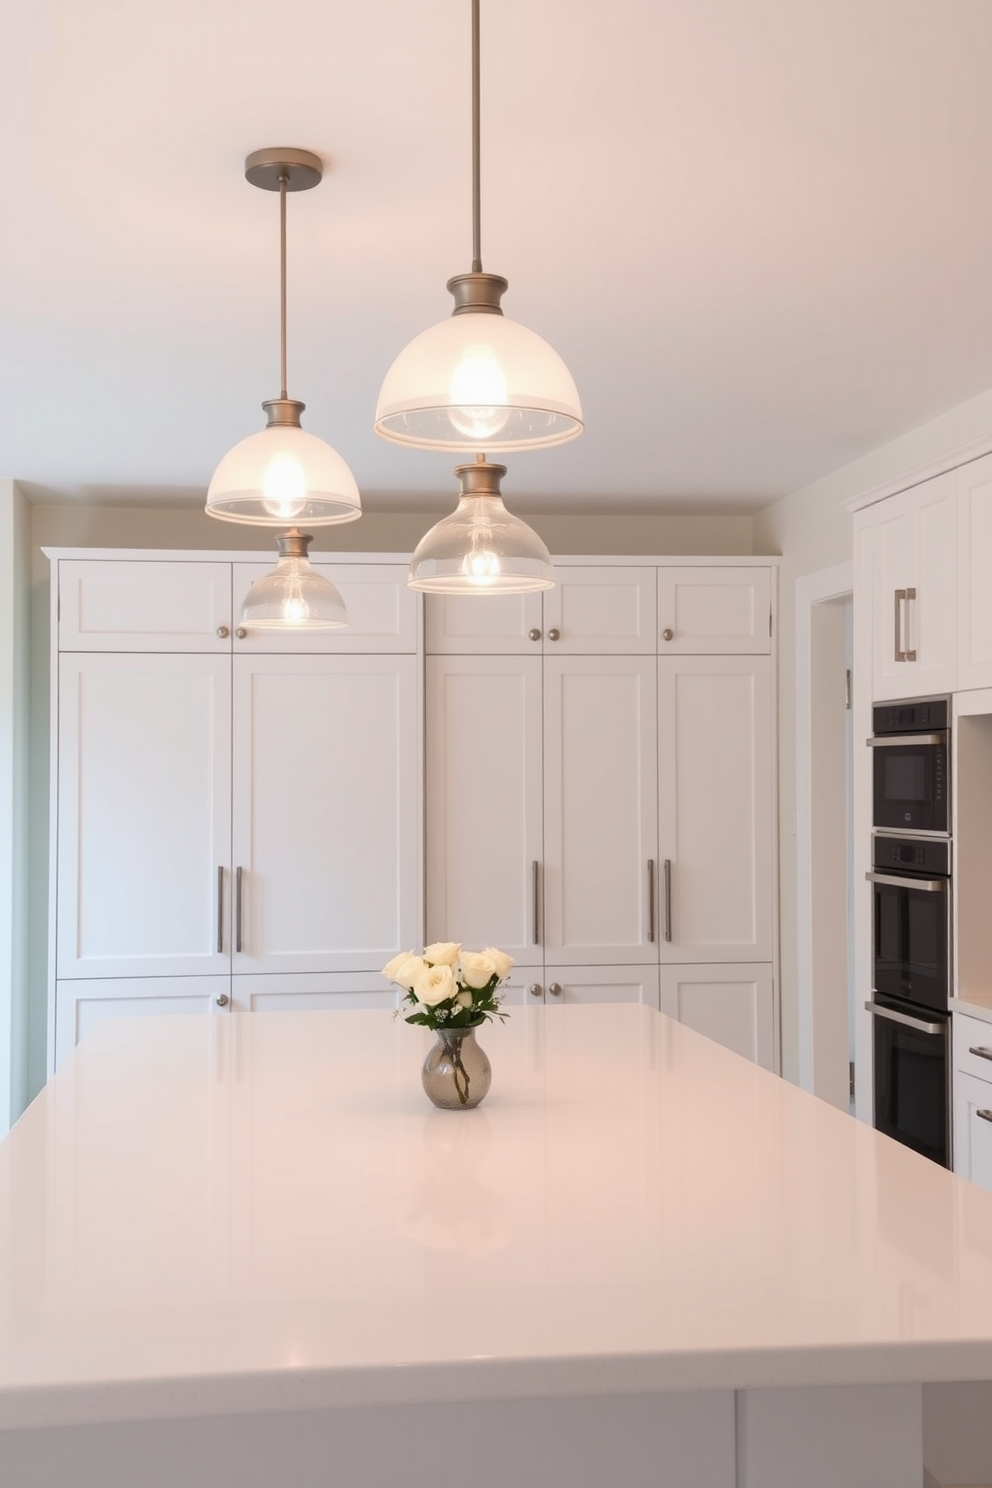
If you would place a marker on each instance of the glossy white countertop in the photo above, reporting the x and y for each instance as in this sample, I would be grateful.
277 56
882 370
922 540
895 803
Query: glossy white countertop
263 1211
976 1004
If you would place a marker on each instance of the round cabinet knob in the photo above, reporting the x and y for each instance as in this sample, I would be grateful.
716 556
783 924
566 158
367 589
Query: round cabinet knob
554 635
241 632
555 989
535 989
223 1000
534 635
223 632
668 635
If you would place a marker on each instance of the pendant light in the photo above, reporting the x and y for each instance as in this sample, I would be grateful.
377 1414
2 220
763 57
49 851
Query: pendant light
478 380
294 596
481 548
282 474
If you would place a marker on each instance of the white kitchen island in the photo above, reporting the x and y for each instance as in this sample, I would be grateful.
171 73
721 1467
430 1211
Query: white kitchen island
245 1250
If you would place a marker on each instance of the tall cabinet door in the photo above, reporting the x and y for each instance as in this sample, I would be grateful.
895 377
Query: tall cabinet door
600 810
914 590
716 762
484 831
327 842
144 815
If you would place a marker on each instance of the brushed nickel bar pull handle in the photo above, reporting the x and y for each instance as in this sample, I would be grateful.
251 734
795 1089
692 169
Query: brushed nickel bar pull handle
651 895
918 1023
536 876
220 911
910 652
985 1115
898 595
238 876
982 1052
668 898
904 741
925 885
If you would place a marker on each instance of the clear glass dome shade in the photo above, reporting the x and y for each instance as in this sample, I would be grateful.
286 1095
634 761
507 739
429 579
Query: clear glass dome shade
294 596
481 548
281 475
478 381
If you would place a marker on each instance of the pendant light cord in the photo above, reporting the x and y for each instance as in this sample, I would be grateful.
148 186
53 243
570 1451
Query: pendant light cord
282 281
476 151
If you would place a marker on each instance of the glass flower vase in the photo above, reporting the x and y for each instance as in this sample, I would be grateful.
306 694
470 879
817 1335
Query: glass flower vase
456 1073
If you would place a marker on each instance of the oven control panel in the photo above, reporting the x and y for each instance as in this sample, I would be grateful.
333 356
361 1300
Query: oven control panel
925 855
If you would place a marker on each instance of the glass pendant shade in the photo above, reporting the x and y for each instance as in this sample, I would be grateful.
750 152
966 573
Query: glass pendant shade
283 475
481 548
478 381
294 596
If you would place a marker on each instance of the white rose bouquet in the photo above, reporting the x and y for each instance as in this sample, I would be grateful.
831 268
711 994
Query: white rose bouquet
449 987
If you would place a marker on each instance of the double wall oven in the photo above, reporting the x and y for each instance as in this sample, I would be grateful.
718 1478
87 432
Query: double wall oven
911 882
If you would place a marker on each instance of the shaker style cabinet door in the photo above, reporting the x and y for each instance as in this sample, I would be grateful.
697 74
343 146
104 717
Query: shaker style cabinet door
600 811
495 625
714 610
716 879
733 1005
327 842
564 984
144 815
914 590
601 610
80 1004
383 612
485 843
139 605
973 1129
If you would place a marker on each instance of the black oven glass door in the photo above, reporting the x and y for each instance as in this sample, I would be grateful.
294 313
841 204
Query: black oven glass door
909 785
911 1066
911 938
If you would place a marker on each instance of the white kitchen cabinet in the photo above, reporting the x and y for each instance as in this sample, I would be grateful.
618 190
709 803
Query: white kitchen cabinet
303 993
143 604
974 485
971 1098
564 984
716 610
735 1005
143 814
485 834
383 612
326 835
914 590
716 762
600 810
488 625
81 1004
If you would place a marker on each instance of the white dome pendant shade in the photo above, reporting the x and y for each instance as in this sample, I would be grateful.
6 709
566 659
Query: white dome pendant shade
481 548
283 474
294 596
478 380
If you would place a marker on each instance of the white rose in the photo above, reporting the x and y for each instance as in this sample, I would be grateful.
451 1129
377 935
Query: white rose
392 967
502 963
442 953
404 970
434 985
476 969
464 999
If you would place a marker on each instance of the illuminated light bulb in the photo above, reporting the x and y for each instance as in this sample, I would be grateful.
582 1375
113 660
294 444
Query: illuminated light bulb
478 396
284 487
482 567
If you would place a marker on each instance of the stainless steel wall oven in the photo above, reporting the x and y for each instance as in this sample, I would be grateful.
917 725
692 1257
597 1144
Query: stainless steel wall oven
911 782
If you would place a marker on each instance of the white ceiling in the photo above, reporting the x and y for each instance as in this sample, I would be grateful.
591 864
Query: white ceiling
758 231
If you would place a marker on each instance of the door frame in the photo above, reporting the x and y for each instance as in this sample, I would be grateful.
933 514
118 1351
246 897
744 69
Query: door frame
824 586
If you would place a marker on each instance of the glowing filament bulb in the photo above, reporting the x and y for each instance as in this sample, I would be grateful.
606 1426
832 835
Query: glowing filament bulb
478 388
284 487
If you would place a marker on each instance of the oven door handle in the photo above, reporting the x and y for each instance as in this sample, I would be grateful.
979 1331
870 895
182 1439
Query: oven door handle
876 1009
903 741
927 885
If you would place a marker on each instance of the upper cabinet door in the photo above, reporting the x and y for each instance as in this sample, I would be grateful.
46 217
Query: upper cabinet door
383 611
484 826
327 812
974 567
716 763
720 611
144 815
483 624
139 605
600 810
914 591
601 611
